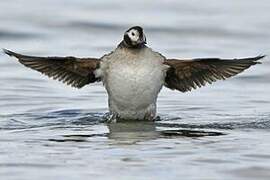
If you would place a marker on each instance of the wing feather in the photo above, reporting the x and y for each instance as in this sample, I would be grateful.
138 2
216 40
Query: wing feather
73 71
185 75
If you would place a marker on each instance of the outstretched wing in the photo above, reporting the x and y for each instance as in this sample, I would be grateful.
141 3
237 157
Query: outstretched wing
185 75
76 72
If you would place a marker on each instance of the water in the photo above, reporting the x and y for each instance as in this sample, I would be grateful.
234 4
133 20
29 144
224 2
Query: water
51 131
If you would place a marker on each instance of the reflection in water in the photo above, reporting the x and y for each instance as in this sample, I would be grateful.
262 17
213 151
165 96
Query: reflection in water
189 133
76 137
132 132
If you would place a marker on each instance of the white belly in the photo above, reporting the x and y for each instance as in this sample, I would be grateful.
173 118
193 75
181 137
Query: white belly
133 87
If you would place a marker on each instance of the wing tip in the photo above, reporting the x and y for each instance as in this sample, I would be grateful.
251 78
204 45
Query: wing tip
261 56
9 52
6 51
255 59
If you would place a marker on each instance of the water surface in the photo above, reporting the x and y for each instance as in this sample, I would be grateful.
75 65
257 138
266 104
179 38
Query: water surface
51 131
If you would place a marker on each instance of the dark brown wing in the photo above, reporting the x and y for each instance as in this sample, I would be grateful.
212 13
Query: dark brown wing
185 75
76 72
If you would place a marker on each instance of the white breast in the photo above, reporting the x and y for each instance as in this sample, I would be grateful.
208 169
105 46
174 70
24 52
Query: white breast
133 80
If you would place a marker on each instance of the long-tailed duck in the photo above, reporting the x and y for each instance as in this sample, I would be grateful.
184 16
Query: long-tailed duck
133 74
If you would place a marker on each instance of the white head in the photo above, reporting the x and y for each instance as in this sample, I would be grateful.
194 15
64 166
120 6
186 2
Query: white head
134 37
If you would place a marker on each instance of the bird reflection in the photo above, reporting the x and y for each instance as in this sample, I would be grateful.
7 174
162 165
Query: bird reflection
137 131
132 132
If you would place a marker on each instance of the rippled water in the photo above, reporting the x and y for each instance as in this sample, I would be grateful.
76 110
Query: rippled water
51 131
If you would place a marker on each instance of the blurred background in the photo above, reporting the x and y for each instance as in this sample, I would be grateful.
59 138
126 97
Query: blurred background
50 130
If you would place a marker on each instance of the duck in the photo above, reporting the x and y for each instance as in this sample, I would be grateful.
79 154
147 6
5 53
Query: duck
133 74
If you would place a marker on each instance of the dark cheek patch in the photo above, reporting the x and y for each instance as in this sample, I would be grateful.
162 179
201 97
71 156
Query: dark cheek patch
127 40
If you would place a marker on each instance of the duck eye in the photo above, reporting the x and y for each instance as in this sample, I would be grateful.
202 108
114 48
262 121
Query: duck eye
133 34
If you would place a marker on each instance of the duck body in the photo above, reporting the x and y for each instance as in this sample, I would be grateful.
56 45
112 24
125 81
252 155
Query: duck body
133 78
